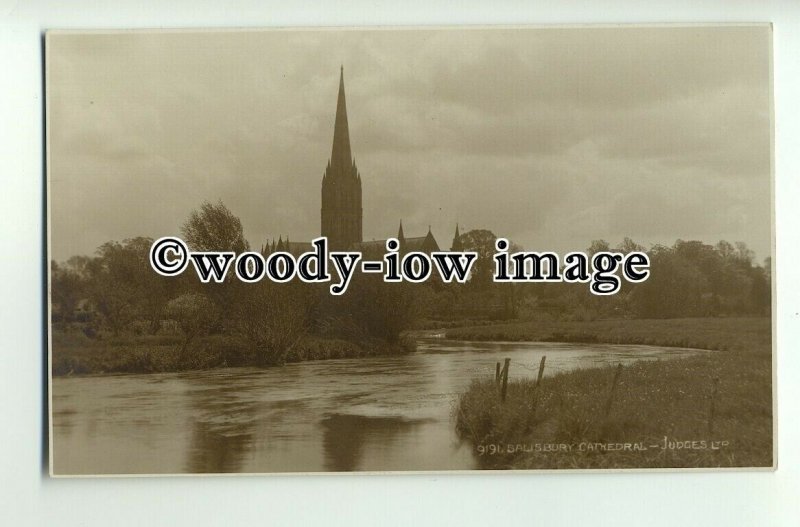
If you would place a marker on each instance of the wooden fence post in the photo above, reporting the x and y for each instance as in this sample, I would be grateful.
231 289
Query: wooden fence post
613 389
538 382
504 388
713 409
497 373
541 371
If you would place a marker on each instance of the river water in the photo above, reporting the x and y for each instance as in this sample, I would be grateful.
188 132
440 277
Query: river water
374 414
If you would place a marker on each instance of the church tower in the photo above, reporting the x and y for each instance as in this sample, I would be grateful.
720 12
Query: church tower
341 211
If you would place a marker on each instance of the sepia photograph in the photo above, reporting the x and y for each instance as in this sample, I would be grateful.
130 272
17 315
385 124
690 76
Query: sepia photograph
410 250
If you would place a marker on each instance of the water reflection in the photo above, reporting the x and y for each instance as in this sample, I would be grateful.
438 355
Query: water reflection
64 420
344 437
216 451
218 443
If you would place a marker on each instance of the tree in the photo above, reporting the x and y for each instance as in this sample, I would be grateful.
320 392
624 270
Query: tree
598 246
384 309
214 228
482 242
273 317
629 246
676 287
194 313
68 286
761 292
125 288
744 254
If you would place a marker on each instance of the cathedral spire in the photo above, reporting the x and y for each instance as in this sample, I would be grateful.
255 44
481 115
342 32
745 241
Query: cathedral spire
341 157
341 214
457 245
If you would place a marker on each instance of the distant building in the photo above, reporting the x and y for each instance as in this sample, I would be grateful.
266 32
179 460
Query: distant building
341 213
426 244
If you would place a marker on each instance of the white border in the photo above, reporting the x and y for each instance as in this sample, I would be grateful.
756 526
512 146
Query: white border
29 497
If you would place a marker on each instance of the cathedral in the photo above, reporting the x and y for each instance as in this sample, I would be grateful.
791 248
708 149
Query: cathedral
341 213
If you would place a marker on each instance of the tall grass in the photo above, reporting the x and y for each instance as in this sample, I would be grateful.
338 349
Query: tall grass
654 400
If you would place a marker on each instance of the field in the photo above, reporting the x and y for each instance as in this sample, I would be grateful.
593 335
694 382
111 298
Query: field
734 333
710 410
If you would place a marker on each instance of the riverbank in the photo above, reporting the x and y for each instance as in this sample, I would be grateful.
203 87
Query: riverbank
74 353
734 333
711 410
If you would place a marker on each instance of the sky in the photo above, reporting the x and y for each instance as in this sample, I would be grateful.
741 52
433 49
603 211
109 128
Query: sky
549 137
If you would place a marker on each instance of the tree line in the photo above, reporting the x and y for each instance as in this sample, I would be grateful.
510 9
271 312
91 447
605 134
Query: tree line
687 279
115 291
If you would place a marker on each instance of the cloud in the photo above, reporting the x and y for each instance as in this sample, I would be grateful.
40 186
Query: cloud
551 137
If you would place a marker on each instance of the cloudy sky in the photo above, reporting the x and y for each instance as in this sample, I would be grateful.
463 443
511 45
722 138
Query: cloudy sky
550 137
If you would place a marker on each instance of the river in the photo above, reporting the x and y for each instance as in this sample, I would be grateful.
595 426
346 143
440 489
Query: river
374 414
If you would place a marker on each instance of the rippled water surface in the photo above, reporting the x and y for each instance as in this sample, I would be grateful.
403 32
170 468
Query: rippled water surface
387 413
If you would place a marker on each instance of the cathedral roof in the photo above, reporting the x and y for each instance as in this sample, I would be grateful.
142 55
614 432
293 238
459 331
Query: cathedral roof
297 248
381 244
294 248
426 244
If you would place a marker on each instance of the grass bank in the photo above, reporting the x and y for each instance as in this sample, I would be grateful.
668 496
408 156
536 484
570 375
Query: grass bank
735 333
74 353
710 410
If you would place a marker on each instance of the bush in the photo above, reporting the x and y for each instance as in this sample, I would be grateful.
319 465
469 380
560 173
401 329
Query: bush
273 318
